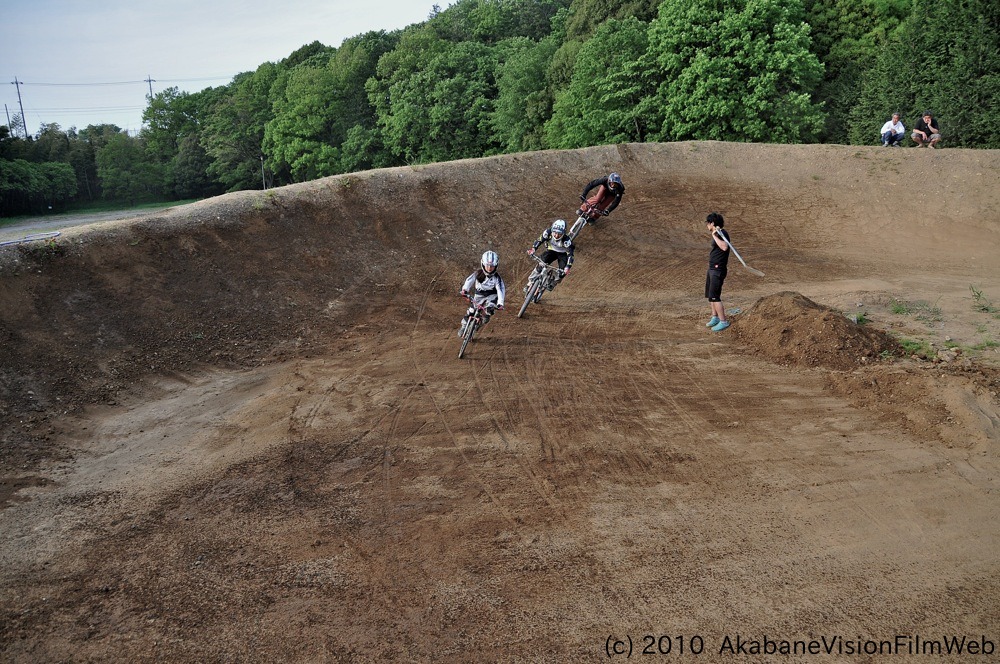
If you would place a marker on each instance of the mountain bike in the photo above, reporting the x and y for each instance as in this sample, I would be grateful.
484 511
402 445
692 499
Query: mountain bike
476 321
540 283
588 213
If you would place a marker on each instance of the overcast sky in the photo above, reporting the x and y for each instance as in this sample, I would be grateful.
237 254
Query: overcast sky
84 62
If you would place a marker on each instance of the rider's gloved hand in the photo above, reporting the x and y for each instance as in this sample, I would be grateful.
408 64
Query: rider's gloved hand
499 307
566 272
464 293
604 213
531 252
583 198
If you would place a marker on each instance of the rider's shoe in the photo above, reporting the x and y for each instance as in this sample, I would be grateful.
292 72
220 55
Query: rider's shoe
720 326
461 330
712 322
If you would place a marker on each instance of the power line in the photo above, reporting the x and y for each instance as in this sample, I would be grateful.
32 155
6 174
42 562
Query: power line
85 109
96 110
83 84
145 80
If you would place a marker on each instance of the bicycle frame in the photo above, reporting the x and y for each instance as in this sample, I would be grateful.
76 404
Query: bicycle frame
588 214
475 322
537 285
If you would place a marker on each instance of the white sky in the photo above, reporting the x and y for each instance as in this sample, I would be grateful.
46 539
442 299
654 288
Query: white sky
188 44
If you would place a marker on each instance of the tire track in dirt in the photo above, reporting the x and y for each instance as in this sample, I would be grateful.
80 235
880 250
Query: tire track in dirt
482 483
539 483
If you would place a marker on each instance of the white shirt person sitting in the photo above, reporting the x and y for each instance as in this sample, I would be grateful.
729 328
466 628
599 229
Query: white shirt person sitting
892 132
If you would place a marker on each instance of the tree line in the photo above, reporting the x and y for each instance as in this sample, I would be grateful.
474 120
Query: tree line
486 77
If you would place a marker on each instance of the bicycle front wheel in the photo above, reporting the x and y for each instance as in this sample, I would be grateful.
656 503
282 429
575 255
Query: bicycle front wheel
469 331
527 297
539 291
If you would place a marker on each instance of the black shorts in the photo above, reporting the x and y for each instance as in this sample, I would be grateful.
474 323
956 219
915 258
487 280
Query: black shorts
549 255
713 285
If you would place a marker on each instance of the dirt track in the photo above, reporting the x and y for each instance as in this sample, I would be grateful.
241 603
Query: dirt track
238 431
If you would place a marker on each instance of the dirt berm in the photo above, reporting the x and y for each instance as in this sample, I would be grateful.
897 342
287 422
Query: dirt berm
239 431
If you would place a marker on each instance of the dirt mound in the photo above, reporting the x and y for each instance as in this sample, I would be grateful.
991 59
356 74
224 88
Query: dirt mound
791 329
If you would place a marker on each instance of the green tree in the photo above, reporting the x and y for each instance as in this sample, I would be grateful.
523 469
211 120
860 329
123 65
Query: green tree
301 136
434 98
60 183
125 172
233 131
736 71
27 187
51 144
320 104
524 95
21 182
492 21
169 117
847 36
83 160
189 171
83 157
946 58
605 96
588 15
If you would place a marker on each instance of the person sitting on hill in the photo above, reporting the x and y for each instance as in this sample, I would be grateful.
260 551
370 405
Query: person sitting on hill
610 190
892 132
926 132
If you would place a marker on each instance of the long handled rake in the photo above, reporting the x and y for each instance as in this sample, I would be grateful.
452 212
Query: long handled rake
737 254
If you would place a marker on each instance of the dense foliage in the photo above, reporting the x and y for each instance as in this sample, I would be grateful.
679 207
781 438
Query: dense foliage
485 77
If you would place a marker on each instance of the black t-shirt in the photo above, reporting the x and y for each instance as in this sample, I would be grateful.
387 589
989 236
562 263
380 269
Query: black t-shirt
928 128
718 259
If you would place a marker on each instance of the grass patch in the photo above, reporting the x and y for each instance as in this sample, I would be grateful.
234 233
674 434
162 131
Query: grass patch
96 208
43 252
918 347
980 303
922 310
900 307
928 312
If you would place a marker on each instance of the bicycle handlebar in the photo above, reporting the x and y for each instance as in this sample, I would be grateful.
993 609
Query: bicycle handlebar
479 306
546 265
588 209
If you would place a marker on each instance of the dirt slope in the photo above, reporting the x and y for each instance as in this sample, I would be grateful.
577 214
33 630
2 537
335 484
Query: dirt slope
238 430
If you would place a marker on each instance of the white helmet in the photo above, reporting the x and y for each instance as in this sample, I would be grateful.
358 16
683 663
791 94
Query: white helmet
490 261
559 226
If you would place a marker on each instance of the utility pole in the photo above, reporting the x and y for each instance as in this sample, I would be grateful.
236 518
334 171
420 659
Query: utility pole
5 110
24 123
150 81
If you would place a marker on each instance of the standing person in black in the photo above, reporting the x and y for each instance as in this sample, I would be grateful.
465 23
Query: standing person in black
926 131
718 262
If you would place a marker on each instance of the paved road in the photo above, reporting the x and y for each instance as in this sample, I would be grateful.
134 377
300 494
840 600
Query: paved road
64 221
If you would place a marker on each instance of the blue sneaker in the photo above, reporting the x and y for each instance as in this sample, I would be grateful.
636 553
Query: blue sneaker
723 324
712 322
